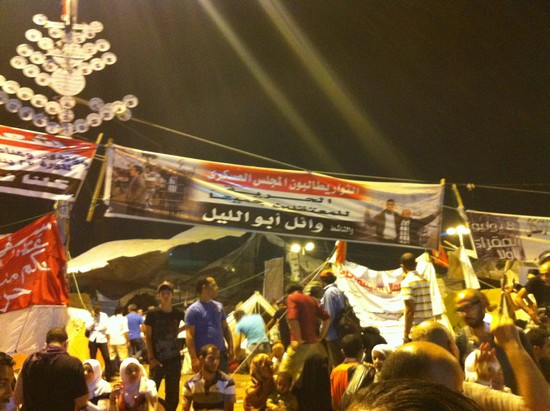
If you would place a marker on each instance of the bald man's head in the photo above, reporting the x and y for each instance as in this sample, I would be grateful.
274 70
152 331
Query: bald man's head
426 361
434 332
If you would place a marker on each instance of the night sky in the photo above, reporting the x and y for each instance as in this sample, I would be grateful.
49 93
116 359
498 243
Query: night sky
398 90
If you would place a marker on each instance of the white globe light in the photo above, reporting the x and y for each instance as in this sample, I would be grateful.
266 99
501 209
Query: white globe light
31 70
309 246
66 129
97 64
43 79
66 116
93 119
24 50
13 105
52 107
52 127
25 93
109 58
50 66
26 113
295 248
85 69
107 112
33 35
95 104
103 45
40 120
45 43
10 86
125 115
67 102
80 126
18 62
39 100
55 33
39 19
37 57
89 48
96 26
130 100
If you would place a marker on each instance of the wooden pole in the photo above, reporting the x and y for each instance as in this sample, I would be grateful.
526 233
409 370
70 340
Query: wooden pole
99 182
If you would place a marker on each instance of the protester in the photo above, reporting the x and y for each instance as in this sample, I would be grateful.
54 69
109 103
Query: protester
333 302
371 337
471 305
261 384
415 291
135 391
209 389
282 399
206 323
99 390
279 320
161 331
119 341
352 348
313 392
7 380
410 394
303 313
540 341
51 379
135 328
380 354
539 287
277 353
98 338
252 327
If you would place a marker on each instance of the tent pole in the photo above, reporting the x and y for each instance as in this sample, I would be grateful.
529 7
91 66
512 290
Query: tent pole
99 182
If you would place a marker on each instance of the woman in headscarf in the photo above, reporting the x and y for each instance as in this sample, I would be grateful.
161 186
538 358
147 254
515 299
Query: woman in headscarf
98 389
380 353
261 384
136 392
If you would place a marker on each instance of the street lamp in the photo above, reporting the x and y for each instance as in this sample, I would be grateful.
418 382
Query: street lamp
294 259
461 230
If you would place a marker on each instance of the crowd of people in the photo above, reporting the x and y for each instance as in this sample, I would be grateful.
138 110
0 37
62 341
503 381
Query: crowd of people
302 360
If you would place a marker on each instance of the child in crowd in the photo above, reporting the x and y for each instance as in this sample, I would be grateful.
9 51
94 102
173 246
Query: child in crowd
98 389
261 384
136 392
281 399
380 353
277 352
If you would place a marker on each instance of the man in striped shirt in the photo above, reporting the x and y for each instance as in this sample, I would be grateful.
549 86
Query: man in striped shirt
210 388
415 291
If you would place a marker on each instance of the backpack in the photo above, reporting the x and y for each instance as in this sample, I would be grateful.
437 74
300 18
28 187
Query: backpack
346 322
359 376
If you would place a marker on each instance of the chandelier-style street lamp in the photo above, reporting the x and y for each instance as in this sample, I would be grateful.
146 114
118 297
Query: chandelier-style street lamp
59 57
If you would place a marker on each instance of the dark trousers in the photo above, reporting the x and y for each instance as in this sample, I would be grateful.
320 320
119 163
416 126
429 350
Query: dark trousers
334 353
104 349
136 348
171 372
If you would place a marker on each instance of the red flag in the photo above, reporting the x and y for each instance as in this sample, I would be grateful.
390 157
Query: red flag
341 249
440 257
32 267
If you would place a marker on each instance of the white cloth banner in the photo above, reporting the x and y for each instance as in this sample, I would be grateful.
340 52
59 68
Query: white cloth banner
273 279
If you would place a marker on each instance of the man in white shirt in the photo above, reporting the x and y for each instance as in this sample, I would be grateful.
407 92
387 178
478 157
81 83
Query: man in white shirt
96 326
119 340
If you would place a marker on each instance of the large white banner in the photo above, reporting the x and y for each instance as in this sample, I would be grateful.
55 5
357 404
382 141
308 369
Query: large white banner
146 185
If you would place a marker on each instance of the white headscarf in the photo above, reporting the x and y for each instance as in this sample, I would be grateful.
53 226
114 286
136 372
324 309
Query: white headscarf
98 386
141 386
383 349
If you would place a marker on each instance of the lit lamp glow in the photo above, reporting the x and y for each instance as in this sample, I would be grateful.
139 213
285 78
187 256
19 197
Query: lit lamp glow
460 230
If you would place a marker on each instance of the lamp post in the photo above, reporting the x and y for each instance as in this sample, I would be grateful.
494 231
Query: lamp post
460 230
293 257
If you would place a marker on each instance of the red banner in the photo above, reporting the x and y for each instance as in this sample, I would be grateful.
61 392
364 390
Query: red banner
32 267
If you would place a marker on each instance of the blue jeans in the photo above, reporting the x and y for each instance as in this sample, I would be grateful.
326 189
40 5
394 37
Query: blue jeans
171 372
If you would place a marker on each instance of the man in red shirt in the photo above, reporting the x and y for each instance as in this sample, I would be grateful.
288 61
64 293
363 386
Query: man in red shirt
303 316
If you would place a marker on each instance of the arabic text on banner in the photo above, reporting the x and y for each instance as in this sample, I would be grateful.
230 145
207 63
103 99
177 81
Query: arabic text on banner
509 237
32 267
41 165
146 185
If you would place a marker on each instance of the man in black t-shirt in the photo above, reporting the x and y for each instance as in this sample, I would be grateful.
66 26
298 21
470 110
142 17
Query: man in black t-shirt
51 379
161 337
539 287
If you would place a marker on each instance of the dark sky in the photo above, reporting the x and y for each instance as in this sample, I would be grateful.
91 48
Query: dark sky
417 90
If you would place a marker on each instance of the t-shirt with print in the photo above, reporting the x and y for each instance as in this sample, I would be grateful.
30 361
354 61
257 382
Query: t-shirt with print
165 332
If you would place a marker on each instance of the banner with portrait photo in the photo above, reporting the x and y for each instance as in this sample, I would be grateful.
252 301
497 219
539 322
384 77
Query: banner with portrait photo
153 186
41 165
509 237
32 267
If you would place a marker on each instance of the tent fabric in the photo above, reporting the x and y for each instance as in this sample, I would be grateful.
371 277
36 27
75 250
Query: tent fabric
24 331
117 267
